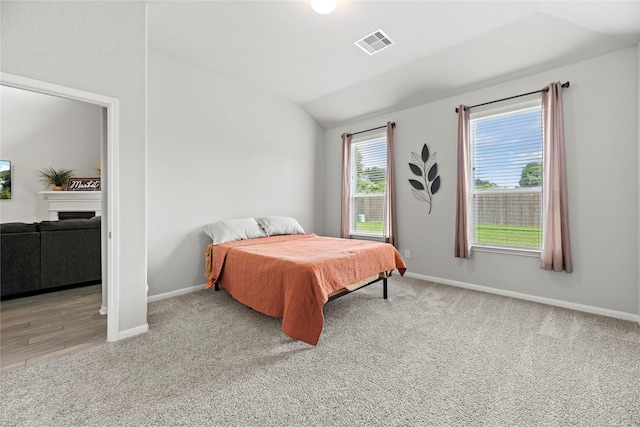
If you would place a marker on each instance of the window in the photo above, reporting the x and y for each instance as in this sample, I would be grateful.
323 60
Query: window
505 175
367 196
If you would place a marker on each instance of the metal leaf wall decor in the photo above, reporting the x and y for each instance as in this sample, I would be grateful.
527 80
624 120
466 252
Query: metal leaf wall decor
424 166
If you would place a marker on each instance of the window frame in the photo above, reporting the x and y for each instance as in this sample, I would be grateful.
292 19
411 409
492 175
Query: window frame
353 232
512 106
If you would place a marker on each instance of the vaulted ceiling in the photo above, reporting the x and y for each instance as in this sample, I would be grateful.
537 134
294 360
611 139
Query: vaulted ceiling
441 48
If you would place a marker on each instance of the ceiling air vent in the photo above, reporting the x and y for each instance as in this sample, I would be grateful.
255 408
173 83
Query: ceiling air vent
374 42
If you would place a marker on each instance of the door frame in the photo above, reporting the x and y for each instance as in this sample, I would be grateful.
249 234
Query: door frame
110 232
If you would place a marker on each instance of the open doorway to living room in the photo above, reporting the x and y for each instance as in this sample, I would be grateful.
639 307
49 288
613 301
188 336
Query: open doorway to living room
55 302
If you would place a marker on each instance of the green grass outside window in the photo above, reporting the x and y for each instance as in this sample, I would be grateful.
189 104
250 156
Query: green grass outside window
369 227
501 235
509 235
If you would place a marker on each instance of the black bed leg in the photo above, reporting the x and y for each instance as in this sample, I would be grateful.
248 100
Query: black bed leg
217 287
384 288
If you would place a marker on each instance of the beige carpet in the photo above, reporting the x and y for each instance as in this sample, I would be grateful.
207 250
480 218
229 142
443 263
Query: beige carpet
430 355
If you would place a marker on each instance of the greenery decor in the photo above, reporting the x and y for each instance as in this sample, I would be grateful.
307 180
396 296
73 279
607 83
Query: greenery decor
56 178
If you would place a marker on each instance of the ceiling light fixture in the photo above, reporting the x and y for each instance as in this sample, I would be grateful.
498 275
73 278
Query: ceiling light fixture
324 7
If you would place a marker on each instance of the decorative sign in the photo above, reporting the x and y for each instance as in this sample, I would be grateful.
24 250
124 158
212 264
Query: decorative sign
83 184
425 167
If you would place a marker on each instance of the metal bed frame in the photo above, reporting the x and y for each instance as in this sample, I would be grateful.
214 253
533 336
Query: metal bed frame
345 292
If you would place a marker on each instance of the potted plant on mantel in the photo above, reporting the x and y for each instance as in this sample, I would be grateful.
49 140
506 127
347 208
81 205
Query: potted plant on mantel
55 178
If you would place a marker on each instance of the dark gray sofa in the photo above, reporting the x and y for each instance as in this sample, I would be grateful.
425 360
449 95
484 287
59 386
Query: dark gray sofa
19 258
48 255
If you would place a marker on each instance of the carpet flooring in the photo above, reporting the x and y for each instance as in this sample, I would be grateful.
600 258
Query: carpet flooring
429 355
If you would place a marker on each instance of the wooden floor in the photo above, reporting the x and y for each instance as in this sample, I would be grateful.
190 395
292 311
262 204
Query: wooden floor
44 327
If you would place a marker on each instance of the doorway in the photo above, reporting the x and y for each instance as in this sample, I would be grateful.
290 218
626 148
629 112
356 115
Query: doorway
109 180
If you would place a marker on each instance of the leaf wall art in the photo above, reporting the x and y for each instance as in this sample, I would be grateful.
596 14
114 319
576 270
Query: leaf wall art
425 167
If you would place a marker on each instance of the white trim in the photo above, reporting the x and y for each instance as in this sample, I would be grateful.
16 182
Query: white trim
113 217
146 145
535 253
543 300
179 292
370 237
113 226
638 223
133 332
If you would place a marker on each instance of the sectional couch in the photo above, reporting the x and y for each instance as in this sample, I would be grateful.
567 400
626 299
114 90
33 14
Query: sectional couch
49 255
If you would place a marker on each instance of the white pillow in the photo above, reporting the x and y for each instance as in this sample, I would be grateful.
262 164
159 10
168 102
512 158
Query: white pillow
229 230
274 225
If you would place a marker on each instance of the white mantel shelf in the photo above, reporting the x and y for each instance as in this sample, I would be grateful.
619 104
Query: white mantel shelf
73 201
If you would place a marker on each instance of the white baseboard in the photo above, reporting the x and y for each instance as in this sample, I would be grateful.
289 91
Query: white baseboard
175 293
518 295
145 328
133 331
543 300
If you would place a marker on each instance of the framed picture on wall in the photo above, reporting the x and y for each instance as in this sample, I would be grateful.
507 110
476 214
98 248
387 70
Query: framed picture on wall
5 179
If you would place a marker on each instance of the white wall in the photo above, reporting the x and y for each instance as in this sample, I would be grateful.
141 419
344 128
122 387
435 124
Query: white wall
40 131
601 131
98 47
219 149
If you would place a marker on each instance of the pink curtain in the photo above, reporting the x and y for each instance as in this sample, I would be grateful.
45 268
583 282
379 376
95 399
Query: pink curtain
390 232
346 184
461 248
556 250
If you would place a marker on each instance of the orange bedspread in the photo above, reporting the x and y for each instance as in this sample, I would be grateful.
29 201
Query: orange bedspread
291 276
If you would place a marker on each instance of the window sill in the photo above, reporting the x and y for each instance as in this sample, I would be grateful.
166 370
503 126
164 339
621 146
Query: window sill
373 237
507 251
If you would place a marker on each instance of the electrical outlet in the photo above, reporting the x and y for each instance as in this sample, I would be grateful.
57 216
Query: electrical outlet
407 253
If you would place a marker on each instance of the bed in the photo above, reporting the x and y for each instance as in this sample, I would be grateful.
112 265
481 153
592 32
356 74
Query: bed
292 275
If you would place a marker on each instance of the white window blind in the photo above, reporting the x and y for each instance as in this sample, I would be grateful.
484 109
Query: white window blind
368 186
506 176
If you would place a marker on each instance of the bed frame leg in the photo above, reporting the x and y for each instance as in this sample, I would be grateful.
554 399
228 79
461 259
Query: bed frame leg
217 287
384 288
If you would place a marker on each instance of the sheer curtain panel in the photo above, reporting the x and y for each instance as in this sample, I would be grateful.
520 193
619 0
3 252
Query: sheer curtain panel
556 250
461 248
346 184
390 232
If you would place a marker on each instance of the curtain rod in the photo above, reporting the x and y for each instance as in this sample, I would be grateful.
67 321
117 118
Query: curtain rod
512 97
393 124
